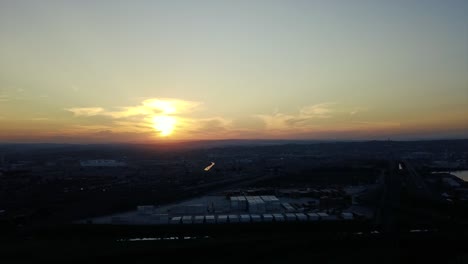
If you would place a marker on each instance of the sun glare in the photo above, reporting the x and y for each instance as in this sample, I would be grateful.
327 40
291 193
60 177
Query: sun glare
164 124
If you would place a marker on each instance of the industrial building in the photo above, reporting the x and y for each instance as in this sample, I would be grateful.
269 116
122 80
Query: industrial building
238 209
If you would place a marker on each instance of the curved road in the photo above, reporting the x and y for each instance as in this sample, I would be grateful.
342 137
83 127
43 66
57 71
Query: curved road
210 166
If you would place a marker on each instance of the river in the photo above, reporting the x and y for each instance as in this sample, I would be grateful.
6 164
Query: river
463 174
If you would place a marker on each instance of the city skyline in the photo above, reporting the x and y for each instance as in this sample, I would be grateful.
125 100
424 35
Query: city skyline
156 71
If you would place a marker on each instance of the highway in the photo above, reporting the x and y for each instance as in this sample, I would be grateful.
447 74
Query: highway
390 202
414 180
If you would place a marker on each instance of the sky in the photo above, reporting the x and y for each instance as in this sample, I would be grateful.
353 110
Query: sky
144 71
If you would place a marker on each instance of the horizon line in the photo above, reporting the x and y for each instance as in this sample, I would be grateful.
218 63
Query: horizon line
225 140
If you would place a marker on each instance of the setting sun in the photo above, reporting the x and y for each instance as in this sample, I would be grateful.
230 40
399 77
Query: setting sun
164 124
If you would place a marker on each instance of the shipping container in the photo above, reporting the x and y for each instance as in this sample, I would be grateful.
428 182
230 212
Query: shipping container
245 218
278 217
267 218
176 220
187 219
222 219
313 216
323 216
233 218
210 219
199 219
256 218
301 217
290 217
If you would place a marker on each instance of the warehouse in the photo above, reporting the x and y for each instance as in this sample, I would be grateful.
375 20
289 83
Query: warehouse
229 209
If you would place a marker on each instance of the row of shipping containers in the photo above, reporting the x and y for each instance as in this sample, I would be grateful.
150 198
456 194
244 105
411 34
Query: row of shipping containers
249 218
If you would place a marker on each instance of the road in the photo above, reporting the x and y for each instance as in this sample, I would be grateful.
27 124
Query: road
414 180
209 166
390 202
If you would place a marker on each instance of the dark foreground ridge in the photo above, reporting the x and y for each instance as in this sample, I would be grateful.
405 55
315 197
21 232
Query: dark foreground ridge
271 243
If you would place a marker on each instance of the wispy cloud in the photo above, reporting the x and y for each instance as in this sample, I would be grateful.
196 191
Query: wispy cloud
310 121
86 111
143 117
149 107
377 125
303 118
80 129
323 110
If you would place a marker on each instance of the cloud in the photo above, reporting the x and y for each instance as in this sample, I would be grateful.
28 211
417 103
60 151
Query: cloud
305 117
83 129
310 121
209 126
377 125
322 110
103 133
143 117
149 107
86 111
156 106
320 120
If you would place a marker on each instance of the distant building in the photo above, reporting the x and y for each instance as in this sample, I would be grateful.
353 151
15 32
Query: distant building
102 163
